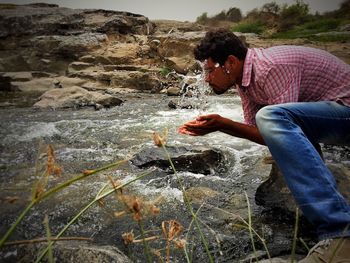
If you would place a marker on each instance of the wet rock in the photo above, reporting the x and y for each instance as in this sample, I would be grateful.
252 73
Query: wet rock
195 160
175 105
274 193
173 91
172 104
75 97
66 252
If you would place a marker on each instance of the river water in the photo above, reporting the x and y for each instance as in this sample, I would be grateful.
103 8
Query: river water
88 139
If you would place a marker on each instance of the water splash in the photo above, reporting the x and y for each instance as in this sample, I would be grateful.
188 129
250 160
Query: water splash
195 90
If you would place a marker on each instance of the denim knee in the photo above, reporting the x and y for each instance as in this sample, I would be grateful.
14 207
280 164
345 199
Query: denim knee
266 117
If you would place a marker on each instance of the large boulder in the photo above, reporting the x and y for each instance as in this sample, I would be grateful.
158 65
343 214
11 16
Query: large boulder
274 193
75 97
196 160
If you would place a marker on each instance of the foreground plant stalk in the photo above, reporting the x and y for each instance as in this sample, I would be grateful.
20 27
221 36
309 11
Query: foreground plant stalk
189 207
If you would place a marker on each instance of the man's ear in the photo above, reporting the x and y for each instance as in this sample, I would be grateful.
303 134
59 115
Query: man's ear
231 59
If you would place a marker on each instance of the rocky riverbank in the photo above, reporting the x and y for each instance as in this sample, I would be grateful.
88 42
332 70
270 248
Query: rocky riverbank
114 67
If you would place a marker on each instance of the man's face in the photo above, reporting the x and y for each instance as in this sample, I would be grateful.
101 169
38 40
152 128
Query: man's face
220 78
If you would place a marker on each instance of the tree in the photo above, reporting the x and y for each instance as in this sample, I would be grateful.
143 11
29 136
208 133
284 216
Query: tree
220 16
234 14
271 7
203 18
293 15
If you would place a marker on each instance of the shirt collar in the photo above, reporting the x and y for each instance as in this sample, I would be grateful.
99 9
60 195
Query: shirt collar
247 68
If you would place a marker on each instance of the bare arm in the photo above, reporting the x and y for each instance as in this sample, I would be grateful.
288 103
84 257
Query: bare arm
214 122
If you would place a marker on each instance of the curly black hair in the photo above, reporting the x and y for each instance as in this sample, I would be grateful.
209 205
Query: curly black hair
218 45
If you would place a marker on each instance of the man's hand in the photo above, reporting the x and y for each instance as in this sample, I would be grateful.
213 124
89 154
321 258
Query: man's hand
205 124
202 125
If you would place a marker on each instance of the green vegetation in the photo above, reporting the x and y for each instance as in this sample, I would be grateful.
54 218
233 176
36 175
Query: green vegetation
165 71
246 27
289 21
317 30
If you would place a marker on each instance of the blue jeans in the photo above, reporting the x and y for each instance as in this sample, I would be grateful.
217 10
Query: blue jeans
291 131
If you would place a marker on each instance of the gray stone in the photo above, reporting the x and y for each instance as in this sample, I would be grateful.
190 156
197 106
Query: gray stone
195 160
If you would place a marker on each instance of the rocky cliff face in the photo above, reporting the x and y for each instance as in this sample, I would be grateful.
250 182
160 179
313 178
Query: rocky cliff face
44 46
45 19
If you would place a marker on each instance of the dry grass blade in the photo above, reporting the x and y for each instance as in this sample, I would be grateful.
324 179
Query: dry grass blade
160 140
52 167
128 238
171 230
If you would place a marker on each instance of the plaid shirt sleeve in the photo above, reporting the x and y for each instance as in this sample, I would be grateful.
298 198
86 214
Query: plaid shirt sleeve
282 84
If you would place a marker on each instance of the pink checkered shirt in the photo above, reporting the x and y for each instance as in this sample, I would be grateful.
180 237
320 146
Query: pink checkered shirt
285 74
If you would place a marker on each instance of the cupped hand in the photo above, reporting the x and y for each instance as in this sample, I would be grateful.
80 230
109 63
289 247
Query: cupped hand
202 125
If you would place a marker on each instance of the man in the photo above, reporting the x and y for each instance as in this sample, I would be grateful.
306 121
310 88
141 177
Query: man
293 98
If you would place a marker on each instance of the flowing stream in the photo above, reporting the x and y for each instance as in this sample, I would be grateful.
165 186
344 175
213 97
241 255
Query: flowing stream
88 139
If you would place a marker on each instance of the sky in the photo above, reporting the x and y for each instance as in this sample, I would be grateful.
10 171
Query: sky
181 10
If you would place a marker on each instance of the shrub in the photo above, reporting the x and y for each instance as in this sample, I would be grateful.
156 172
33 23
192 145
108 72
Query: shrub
293 15
203 18
234 14
309 29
